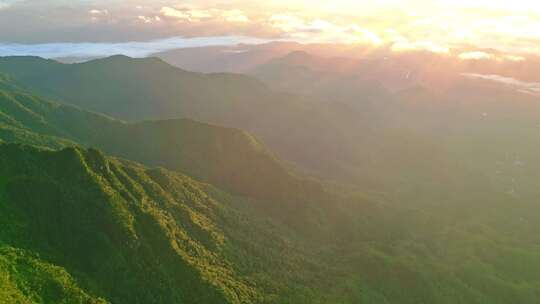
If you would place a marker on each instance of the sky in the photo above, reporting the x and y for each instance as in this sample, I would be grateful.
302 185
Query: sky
472 26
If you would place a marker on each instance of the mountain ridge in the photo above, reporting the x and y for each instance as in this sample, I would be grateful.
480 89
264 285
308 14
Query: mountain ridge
202 150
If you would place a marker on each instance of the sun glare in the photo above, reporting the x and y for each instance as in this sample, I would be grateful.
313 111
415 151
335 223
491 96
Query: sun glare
438 25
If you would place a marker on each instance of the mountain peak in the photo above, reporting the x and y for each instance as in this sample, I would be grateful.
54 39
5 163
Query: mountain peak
119 58
293 58
298 54
297 57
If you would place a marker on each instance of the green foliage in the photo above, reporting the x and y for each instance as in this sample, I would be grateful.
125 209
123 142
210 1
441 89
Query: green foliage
128 234
77 226
27 279
115 228
229 158
174 92
355 137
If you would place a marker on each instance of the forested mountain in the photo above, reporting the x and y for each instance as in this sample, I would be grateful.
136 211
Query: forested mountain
325 138
135 89
482 123
142 89
333 125
81 198
230 158
98 230
79 227
115 226
225 221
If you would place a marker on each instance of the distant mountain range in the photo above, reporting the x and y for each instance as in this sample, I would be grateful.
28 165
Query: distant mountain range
230 158
301 129
315 114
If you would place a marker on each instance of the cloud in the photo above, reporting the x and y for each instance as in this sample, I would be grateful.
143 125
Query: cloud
174 13
132 49
148 20
145 19
198 15
287 23
522 86
431 26
481 55
234 15
365 34
7 3
321 30
98 12
296 25
476 55
514 58
407 46
98 15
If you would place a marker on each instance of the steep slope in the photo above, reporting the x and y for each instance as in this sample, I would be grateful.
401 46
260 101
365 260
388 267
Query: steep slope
135 89
229 158
116 227
27 279
328 140
361 135
226 157
97 230
142 89
347 142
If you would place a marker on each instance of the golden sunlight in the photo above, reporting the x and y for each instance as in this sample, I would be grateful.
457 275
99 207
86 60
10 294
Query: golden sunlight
510 26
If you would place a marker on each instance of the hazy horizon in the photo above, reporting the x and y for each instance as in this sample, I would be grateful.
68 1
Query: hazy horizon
436 26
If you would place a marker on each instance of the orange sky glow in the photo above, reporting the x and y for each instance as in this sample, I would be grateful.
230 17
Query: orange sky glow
500 30
512 27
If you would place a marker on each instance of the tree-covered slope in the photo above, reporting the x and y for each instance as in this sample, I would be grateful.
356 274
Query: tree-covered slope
226 157
136 89
331 139
79 227
300 130
126 233
27 279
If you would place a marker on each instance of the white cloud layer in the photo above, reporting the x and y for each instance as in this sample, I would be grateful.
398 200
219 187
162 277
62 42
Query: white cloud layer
320 30
522 86
197 15
476 55
7 3
132 49
98 12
